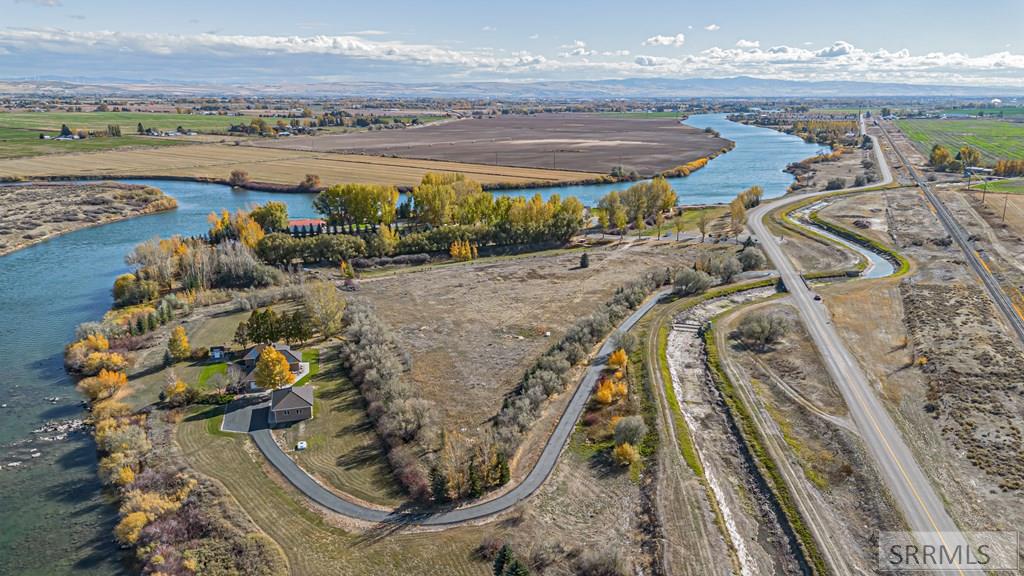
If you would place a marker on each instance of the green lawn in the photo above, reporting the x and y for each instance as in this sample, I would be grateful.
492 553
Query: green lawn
1003 112
343 448
313 357
994 138
208 371
1012 186
17 142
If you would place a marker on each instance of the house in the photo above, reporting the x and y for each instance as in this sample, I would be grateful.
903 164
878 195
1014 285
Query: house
253 355
290 404
295 363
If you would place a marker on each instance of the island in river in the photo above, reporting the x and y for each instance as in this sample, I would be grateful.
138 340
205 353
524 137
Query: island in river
36 211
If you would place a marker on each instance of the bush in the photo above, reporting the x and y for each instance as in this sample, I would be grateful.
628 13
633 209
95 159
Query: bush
751 259
585 260
689 282
760 329
129 290
630 430
836 184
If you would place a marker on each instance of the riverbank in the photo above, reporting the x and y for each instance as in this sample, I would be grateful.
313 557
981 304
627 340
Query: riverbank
37 212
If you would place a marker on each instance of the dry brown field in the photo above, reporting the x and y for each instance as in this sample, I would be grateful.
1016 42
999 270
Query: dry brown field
268 165
581 142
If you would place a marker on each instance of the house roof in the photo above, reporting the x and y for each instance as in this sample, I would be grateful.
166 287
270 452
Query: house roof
305 222
291 398
255 351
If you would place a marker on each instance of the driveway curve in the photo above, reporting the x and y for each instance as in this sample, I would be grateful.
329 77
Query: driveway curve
251 418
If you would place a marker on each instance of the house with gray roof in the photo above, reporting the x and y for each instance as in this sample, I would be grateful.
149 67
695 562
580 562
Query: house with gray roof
290 404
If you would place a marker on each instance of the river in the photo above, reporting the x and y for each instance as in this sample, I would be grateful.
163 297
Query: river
54 518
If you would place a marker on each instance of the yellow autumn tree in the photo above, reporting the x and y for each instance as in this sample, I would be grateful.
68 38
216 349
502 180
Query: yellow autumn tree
605 392
178 346
103 385
97 361
618 359
130 528
625 454
272 369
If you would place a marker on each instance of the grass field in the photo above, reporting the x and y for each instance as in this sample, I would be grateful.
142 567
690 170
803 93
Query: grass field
128 121
343 449
995 139
1011 186
642 114
16 142
1004 112
268 165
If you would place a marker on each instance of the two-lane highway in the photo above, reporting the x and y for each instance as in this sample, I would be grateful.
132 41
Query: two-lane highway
920 504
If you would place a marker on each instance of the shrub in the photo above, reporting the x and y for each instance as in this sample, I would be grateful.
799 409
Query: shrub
625 454
129 290
238 178
760 329
836 184
630 430
751 259
689 282
585 260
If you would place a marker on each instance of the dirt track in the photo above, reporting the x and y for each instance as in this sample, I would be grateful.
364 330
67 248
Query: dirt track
581 142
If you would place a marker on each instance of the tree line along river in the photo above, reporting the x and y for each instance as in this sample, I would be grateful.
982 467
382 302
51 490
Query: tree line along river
54 517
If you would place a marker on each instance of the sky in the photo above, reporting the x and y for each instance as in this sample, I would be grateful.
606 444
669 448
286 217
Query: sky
261 41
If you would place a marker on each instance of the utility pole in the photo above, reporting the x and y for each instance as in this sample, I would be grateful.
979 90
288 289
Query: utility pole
1005 197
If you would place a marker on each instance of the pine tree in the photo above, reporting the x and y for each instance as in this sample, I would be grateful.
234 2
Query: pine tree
475 485
151 321
438 485
503 559
504 474
140 325
516 568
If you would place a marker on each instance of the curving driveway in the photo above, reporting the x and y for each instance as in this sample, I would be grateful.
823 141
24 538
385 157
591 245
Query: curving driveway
248 415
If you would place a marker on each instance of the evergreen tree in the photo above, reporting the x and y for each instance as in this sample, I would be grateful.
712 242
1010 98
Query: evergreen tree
503 559
504 474
438 485
475 485
151 321
516 568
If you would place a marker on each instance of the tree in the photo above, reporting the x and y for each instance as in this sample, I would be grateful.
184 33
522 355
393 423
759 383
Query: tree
760 329
969 156
438 485
502 559
751 258
272 370
618 359
940 158
129 529
272 216
175 393
178 346
702 223
310 183
242 334
625 454
238 178
727 268
585 260
516 568
325 308
690 281
737 216
630 430
677 225
103 385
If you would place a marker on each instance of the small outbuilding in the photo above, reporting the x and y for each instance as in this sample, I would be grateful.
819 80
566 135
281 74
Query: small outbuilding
290 404
216 352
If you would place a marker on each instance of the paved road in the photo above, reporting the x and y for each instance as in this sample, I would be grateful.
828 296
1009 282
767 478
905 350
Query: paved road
1002 301
922 507
254 413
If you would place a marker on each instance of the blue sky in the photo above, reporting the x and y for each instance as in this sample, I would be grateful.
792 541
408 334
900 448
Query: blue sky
398 40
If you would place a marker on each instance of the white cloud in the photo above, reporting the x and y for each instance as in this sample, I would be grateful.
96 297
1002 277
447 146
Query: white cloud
659 40
712 27
45 3
577 48
748 43
489 28
107 52
838 48
533 36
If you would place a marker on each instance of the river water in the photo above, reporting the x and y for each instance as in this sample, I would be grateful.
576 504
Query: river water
54 518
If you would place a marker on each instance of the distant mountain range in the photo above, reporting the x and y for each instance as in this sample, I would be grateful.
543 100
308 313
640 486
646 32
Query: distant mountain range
737 87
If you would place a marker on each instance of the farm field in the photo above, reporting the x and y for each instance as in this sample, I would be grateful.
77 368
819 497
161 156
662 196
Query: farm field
16 143
1011 186
128 121
581 142
995 139
1003 112
287 167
